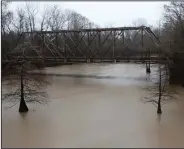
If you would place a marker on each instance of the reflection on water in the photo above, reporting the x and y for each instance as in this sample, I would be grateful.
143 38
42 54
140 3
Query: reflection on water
101 107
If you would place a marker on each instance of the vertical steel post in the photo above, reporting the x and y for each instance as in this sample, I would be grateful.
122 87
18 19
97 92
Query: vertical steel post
43 44
99 43
148 70
146 55
23 54
142 45
77 39
114 34
57 40
88 42
65 52
142 38
123 37
149 55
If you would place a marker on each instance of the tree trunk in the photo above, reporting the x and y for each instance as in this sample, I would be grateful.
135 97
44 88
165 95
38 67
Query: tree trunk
23 107
159 110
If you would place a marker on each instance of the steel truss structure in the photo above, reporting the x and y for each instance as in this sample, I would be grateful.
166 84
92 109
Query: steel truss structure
87 44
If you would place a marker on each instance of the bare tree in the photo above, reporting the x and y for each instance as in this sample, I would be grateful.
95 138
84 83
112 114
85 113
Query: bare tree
6 31
20 20
174 24
56 18
77 21
30 87
173 37
6 17
140 22
160 92
73 20
43 24
32 12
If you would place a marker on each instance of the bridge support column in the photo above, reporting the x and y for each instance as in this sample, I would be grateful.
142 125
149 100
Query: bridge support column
148 70
65 60
88 60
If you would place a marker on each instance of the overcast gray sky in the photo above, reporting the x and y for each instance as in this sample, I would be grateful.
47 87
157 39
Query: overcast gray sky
111 13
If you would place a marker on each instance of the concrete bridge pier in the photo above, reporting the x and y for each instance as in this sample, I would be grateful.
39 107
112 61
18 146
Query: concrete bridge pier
148 69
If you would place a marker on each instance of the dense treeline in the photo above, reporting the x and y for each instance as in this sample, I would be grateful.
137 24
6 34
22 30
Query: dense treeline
173 35
173 26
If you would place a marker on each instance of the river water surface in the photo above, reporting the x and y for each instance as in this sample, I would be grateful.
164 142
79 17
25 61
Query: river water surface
96 105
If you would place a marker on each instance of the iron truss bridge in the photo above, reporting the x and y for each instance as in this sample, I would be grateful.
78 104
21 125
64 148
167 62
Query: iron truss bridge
89 45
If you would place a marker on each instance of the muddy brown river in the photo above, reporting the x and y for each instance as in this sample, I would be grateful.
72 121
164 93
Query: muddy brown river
96 105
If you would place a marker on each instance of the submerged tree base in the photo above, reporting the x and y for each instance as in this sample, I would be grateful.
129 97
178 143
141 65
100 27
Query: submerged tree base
23 107
159 111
